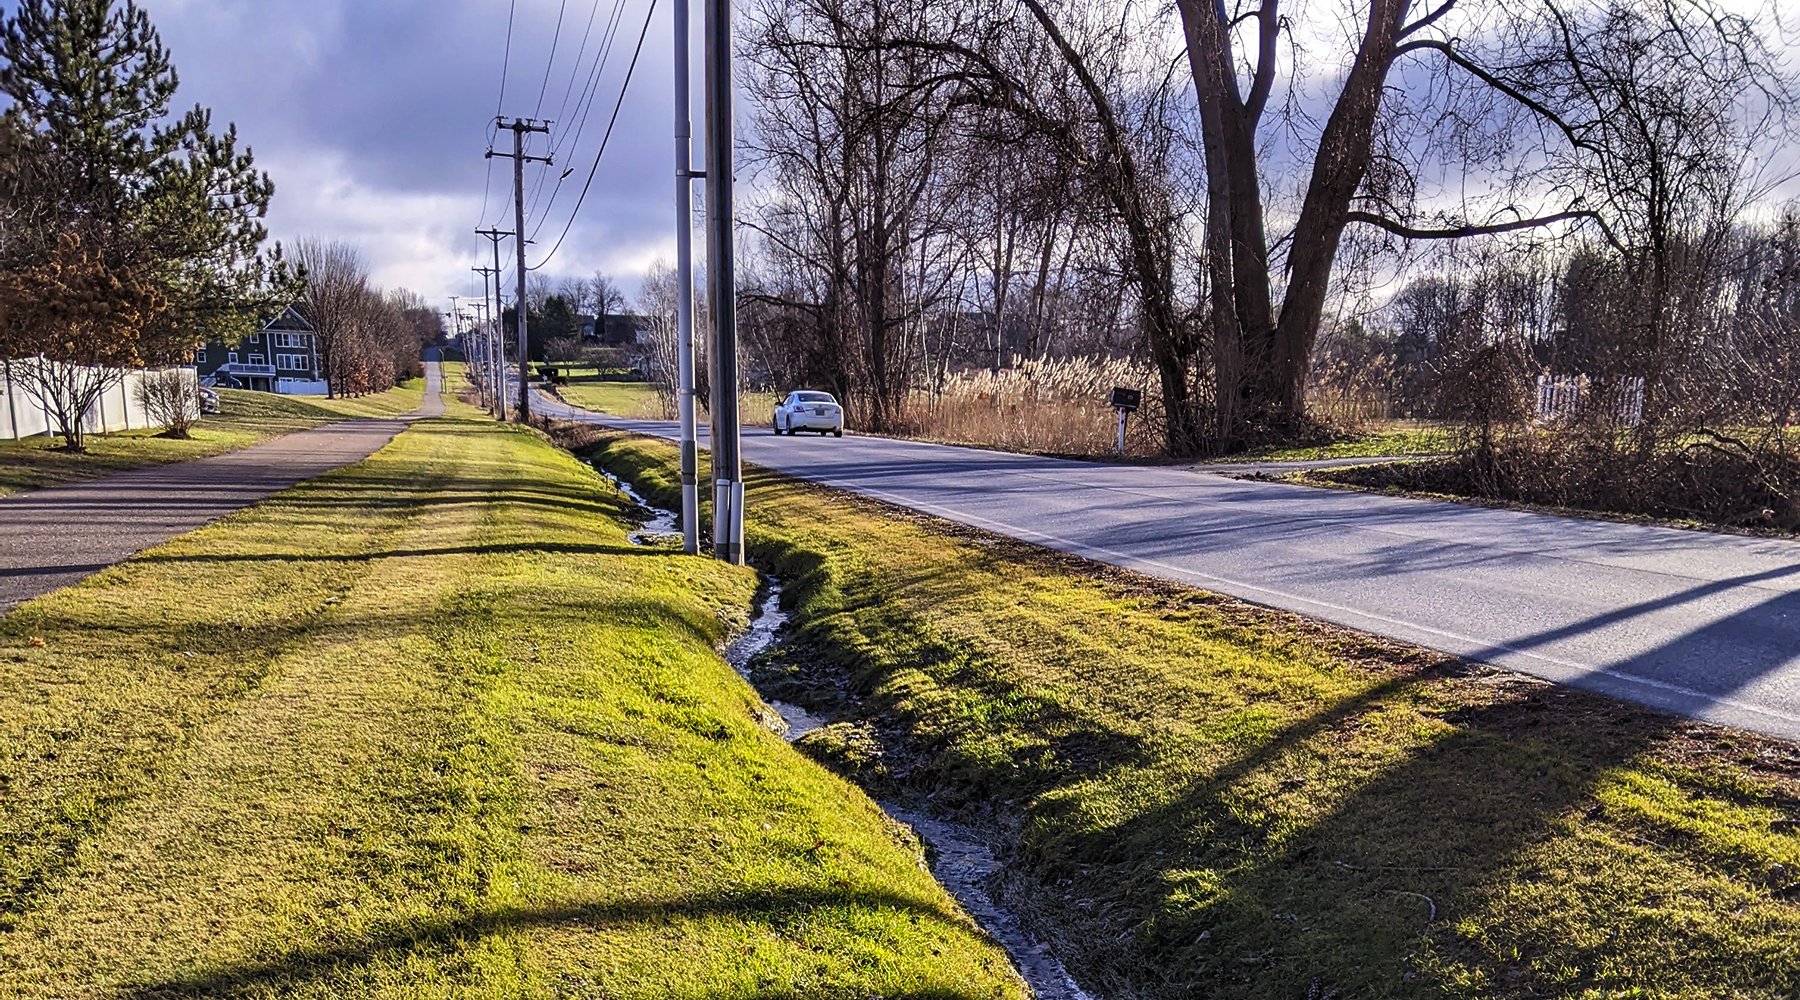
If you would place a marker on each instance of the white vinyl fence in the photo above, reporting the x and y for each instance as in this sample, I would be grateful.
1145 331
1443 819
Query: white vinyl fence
1562 397
117 410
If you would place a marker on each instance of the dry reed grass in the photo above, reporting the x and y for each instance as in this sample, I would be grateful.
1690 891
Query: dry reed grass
1057 405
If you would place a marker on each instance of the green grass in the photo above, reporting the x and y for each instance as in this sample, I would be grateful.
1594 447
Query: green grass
1209 799
245 418
1399 439
430 727
621 399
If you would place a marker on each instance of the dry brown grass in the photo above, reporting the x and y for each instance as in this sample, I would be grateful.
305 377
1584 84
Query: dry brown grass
1057 405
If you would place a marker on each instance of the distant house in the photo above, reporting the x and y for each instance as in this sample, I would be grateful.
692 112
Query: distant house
620 330
281 357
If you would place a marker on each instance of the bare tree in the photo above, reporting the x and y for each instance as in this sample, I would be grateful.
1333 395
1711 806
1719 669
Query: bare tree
335 304
603 295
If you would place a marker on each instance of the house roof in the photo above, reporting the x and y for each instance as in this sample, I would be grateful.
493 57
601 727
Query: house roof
289 319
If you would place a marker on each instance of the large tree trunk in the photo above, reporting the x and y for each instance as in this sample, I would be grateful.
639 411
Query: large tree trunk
1262 363
1338 170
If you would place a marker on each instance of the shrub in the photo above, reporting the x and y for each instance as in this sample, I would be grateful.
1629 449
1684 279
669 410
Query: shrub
171 400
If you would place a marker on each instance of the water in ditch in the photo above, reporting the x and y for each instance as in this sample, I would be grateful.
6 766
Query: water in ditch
661 523
960 860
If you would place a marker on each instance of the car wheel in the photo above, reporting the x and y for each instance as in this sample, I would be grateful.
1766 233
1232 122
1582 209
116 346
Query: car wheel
838 432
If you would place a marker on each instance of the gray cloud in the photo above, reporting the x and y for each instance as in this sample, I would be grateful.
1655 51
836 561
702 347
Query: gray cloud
372 118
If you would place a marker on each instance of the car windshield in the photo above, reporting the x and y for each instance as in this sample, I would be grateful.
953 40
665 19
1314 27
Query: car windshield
814 397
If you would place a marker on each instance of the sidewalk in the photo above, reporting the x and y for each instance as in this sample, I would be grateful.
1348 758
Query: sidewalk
52 538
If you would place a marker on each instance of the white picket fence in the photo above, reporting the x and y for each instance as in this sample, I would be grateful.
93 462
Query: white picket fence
117 410
1561 397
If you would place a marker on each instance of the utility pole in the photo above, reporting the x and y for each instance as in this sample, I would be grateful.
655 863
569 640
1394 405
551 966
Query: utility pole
684 289
727 465
487 337
520 128
499 339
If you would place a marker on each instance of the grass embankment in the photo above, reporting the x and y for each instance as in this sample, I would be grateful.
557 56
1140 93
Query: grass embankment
1209 799
621 399
641 401
244 418
1396 440
430 727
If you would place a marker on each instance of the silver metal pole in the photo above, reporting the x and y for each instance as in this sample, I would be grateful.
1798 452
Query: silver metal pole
727 465
684 291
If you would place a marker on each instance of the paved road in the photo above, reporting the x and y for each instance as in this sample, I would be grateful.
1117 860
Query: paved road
52 538
1700 624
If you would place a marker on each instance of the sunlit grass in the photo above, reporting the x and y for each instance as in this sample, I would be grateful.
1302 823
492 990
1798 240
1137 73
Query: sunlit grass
245 418
620 399
430 727
1209 799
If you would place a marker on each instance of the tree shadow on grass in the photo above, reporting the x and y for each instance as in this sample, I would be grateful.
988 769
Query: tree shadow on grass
1458 857
444 936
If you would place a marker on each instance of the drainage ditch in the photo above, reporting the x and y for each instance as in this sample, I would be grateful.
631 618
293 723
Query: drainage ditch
959 858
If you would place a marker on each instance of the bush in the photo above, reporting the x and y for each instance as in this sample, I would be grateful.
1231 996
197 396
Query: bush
171 400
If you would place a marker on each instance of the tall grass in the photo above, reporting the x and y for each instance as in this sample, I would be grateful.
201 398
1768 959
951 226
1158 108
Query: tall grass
1057 405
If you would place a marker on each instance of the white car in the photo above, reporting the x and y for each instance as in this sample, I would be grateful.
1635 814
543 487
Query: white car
809 410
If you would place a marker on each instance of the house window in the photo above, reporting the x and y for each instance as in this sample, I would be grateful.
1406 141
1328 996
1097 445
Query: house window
256 338
231 357
257 359
290 340
199 355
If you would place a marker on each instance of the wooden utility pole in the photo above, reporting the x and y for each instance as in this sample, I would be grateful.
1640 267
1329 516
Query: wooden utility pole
499 338
489 357
520 128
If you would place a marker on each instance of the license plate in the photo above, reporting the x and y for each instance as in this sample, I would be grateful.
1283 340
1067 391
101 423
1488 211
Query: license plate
819 412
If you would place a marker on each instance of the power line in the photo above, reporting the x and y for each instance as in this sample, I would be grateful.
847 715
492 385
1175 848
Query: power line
555 41
487 184
580 54
614 120
583 104
506 61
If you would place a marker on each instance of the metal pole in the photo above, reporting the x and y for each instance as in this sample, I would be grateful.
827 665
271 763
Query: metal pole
684 291
519 241
1121 430
727 465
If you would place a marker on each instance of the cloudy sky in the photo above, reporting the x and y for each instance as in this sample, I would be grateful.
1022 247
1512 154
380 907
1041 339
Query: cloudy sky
372 117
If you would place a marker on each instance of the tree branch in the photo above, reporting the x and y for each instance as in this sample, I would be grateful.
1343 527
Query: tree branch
1405 231
1426 21
1537 107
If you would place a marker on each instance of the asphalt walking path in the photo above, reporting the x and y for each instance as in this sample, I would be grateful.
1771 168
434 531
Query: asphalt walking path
52 538
1697 623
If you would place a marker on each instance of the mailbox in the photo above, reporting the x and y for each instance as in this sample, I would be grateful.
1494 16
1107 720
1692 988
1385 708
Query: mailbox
1126 400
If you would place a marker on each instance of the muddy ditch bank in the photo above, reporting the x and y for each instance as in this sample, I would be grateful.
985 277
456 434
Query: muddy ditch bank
968 864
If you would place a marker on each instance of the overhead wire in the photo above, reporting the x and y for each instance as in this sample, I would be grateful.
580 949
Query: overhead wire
584 106
487 186
595 169
550 65
589 91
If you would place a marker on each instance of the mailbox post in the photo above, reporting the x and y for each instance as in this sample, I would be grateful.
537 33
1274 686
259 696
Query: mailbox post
1126 401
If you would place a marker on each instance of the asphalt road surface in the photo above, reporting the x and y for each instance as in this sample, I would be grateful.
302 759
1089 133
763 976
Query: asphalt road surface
52 538
1700 624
